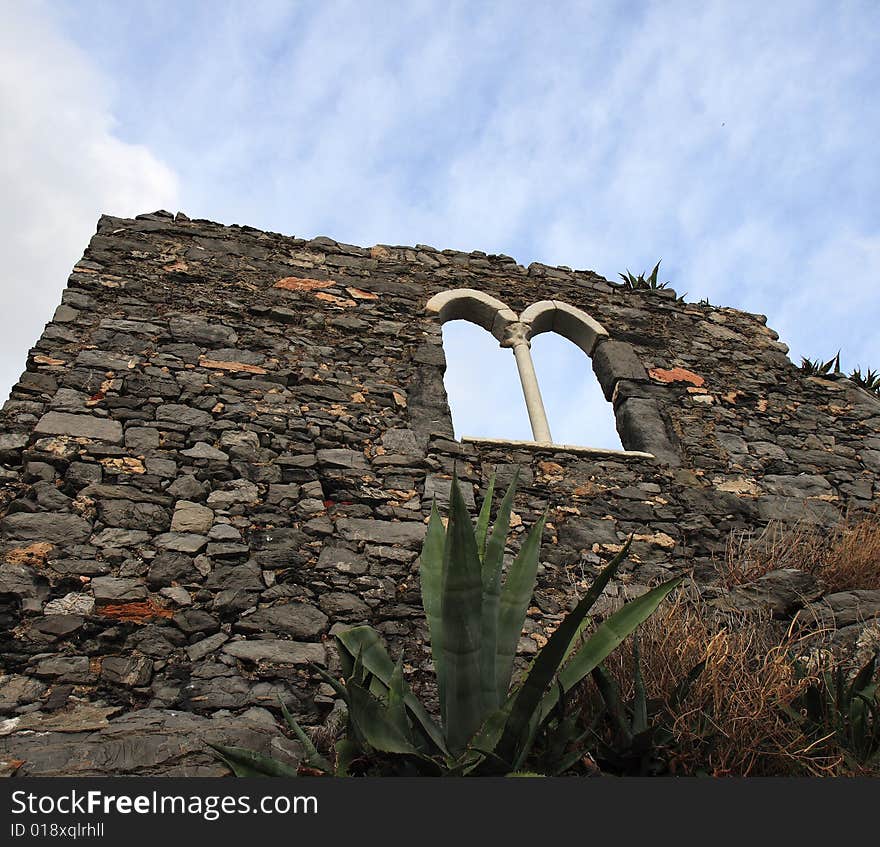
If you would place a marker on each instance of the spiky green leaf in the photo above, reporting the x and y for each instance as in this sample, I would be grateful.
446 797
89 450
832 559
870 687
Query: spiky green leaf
364 640
249 763
513 604
491 576
640 699
461 614
431 577
611 633
610 693
346 753
483 518
524 717
374 725
313 758
396 707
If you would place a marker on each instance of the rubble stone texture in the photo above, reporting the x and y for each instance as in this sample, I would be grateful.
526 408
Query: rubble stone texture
225 446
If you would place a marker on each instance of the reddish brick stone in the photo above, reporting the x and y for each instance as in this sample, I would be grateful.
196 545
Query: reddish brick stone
138 612
294 283
675 375
359 294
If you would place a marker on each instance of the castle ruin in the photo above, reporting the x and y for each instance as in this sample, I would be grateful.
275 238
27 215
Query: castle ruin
226 443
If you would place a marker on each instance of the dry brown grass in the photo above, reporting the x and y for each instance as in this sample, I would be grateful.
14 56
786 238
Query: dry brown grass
732 723
843 558
852 556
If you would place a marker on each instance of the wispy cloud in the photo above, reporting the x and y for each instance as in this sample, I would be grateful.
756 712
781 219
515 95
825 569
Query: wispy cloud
61 165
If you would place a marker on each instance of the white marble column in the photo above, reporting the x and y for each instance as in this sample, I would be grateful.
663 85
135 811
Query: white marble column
516 339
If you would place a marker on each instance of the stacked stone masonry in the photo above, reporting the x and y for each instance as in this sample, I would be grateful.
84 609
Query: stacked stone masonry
226 443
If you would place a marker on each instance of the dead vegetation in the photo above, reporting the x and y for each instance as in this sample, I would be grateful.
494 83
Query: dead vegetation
736 719
842 559
739 717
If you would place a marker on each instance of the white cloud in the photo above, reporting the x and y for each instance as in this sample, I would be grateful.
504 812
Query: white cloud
61 167
842 296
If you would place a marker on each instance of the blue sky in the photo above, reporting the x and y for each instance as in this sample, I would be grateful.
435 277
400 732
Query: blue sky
737 141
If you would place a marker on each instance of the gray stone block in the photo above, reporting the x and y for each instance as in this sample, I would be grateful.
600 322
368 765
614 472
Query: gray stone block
11 445
80 426
800 485
342 560
149 742
142 438
18 580
46 526
201 450
186 415
131 671
191 328
191 517
298 620
181 542
641 427
337 458
780 592
277 652
16 689
114 537
401 441
65 668
344 606
192 621
129 515
111 589
616 360
406 533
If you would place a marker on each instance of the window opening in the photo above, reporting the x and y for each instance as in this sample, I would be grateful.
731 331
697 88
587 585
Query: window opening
482 386
576 407
516 332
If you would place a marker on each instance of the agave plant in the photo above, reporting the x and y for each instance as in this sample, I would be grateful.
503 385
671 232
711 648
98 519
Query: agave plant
846 714
641 283
870 381
820 368
488 723
637 738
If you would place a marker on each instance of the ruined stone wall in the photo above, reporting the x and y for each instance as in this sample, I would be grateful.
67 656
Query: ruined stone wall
226 443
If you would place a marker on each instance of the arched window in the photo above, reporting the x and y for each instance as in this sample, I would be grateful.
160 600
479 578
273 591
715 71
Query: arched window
576 406
516 333
482 385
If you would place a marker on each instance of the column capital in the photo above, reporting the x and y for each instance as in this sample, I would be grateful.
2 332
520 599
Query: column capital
516 334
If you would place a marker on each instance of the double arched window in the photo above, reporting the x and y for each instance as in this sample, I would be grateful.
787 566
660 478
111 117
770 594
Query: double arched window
640 405
516 331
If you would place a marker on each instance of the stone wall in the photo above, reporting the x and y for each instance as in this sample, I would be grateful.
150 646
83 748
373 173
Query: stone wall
226 443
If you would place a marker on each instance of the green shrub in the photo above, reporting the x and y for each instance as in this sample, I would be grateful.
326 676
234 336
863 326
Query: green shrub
641 283
845 715
870 381
820 368
635 737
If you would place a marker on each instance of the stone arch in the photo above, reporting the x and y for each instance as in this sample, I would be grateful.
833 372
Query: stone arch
468 304
568 321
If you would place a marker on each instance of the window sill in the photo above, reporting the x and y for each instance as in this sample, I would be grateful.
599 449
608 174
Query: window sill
537 446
